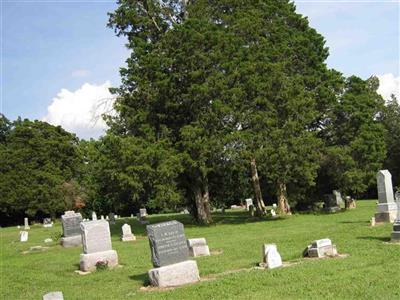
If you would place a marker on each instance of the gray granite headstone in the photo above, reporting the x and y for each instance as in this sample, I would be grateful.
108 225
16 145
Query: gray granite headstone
71 223
168 243
95 236
111 217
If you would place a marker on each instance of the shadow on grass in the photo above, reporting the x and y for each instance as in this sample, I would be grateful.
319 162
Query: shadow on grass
372 238
355 222
142 278
230 217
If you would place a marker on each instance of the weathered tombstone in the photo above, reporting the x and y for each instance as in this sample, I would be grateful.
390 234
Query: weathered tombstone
53 296
101 217
131 215
97 248
23 236
271 257
273 212
169 253
143 212
321 248
387 208
274 206
107 218
198 247
142 216
94 216
372 222
249 202
396 226
127 234
47 222
111 217
251 210
331 203
71 229
26 224
350 203
338 198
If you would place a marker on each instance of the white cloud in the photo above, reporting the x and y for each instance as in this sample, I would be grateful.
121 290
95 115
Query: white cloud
80 111
388 85
80 73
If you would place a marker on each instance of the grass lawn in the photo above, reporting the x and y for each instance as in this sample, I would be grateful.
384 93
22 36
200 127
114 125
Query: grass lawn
372 270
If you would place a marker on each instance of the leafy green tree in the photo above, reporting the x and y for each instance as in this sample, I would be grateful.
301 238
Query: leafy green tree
124 174
391 120
36 160
355 139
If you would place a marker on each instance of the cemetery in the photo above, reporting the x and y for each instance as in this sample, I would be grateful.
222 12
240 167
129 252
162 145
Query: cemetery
195 149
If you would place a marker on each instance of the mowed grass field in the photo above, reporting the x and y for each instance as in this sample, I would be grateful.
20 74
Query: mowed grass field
371 271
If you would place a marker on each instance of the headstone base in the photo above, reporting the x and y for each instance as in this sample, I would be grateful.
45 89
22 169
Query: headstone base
88 261
53 296
199 251
395 237
71 241
333 209
175 275
128 238
387 217
322 251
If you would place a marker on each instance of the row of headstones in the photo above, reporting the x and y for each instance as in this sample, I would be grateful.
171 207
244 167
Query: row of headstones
387 209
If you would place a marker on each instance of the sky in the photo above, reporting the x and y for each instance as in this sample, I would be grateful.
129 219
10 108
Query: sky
58 58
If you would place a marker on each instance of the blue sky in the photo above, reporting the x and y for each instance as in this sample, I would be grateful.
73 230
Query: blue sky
59 58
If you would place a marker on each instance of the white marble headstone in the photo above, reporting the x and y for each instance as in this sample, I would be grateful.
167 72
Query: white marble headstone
23 236
26 223
322 243
271 256
385 187
273 212
94 216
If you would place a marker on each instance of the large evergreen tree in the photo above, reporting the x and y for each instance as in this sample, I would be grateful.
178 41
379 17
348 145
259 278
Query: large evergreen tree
36 160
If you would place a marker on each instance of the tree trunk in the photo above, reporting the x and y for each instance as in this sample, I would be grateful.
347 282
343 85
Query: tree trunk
202 198
259 203
283 204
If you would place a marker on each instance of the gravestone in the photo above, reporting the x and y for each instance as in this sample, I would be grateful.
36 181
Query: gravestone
249 202
101 217
396 226
131 215
251 210
274 206
26 224
169 255
386 208
94 216
330 203
47 223
321 248
127 234
273 212
350 203
96 241
198 247
23 236
111 217
71 229
271 257
53 296
338 198
142 216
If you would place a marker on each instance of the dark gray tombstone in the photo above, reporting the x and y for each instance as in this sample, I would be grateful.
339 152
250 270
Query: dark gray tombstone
71 223
167 243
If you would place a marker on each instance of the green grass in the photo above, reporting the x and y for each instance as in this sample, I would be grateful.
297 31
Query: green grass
372 271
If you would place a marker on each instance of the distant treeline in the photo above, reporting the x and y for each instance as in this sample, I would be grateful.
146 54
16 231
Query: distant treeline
219 101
